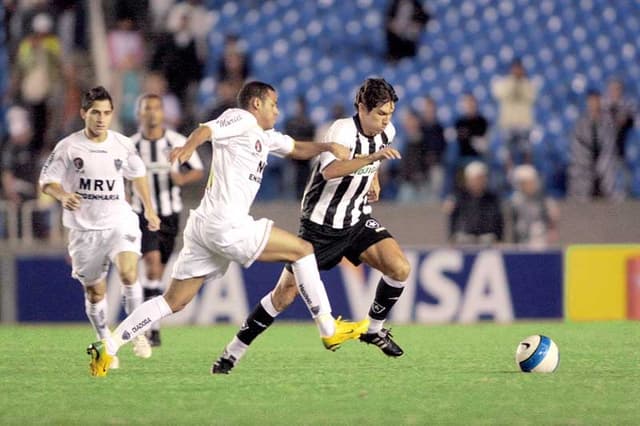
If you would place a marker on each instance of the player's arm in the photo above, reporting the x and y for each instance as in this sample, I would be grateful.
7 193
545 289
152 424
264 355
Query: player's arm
341 168
141 187
303 150
199 136
373 194
185 178
69 200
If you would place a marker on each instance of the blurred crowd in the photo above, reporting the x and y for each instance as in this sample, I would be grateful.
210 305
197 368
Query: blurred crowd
161 47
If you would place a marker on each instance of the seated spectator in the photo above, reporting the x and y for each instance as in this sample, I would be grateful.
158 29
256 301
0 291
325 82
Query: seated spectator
595 168
475 215
621 111
234 64
534 216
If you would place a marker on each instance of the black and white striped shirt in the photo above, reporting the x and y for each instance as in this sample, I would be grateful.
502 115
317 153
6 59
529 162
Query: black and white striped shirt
340 202
165 195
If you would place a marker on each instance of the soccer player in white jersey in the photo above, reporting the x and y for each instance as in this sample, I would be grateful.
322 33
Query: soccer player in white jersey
154 143
221 230
336 220
85 173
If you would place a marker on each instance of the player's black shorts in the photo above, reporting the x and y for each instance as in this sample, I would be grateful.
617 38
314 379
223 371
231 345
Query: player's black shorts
164 239
331 245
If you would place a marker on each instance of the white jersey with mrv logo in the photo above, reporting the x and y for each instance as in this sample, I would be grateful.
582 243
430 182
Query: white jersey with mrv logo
239 155
95 171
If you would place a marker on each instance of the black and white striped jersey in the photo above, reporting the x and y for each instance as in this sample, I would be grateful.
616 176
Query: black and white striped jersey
340 202
165 195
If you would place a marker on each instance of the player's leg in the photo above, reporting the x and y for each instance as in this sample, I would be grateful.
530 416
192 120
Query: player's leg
152 287
257 322
387 257
95 304
283 246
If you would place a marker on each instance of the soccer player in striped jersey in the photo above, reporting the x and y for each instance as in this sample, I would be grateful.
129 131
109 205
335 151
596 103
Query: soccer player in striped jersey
85 173
154 143
221 230
336 219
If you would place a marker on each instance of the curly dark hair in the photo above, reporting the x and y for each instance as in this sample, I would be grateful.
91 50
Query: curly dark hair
375 92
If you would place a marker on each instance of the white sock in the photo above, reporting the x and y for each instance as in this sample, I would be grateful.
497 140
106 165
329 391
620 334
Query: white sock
267 304
97 314
236 349
374 325
152 284
313 293
132 296
138 322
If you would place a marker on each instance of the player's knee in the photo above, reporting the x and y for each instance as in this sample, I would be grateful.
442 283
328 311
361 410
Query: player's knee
128 276
399 269
304 249
94 297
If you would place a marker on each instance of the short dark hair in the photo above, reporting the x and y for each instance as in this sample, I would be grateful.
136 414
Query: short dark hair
253 89
375 92
144 97
98 93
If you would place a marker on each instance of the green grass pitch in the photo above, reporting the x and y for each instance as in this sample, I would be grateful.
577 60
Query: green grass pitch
450 374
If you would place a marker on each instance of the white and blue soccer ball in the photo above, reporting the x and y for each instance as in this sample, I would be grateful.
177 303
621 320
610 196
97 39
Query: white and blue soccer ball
537 354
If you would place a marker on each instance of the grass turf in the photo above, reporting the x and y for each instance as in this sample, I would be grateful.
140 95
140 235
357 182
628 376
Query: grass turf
450 374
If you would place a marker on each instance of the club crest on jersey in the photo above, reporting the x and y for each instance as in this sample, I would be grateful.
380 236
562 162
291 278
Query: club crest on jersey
372 224
258 146
78 163
118 163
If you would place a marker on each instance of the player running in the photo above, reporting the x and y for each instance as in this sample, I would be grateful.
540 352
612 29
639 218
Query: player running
154 143
221 230
84 172
336 220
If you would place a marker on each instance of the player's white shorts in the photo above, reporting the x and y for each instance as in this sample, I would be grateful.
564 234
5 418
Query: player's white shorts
92 251
209 247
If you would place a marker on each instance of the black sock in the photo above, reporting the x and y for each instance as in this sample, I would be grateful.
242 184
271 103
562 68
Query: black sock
386 297
256 323
150 293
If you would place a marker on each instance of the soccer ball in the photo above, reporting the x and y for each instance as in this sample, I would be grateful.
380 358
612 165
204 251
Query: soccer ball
537 354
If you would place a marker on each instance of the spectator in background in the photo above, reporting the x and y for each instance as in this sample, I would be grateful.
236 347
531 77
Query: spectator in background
301 128
177 58
516 96
37 76
126 55
337 111
20 168
475 215
413 166
192 18
534 216
471 137
434 145
595 168
154 82
621 112
226 92
234 64
405 21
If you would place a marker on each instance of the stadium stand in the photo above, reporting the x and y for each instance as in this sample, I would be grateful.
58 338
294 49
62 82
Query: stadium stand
324 49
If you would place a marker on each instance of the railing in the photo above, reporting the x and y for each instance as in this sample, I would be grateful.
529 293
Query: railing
17 222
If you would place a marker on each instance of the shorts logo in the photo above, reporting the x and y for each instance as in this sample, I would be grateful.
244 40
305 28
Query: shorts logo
130 238
118 163
258 146
126 335
372 224
78 163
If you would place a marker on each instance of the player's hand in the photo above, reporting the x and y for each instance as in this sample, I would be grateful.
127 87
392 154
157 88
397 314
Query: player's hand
70 200
181 154
153 221
373 194
339 151
387 153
